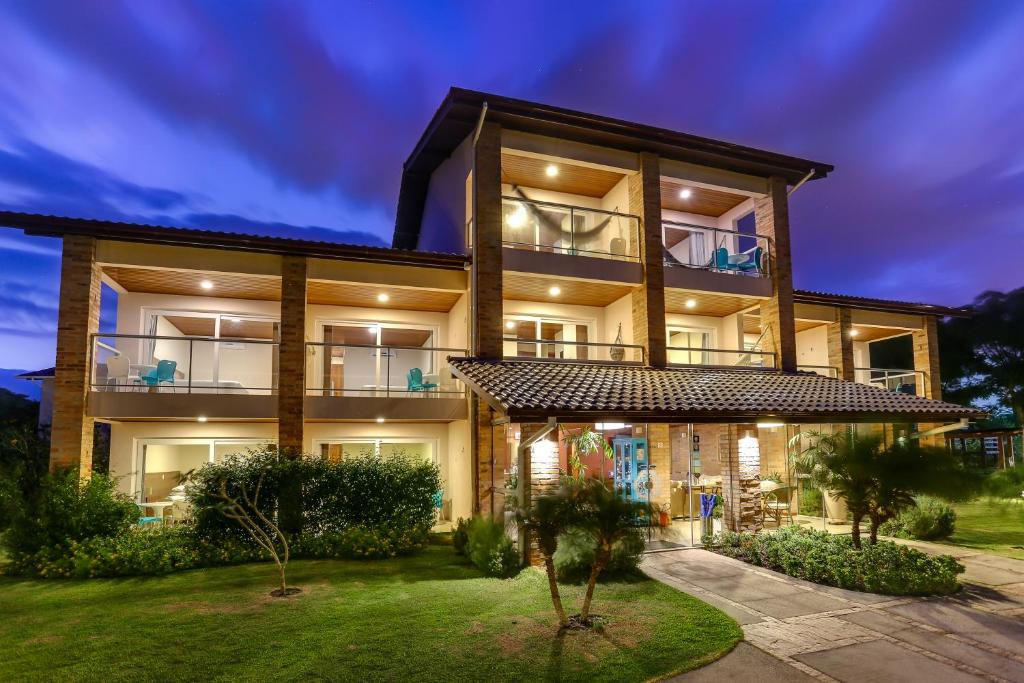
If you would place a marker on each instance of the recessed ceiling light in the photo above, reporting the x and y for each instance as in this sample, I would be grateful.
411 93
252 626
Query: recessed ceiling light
555 291
510 325
233 320
685 193
201 418
380 420
517 218
854 333
551 170
383 298
691 303
206 284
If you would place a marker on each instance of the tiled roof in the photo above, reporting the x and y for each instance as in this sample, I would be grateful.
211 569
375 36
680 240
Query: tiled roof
539 389
808 296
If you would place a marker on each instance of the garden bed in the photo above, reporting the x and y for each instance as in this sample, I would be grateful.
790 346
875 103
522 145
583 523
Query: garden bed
817 556
426 617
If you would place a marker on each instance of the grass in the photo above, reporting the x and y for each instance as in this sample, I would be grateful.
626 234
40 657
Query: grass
424 618
994 525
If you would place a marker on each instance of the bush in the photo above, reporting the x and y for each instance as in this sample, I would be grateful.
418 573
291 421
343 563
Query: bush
929 520
360 543
810 501
576 550
824 558
460 537
1008 483
369 492
64 511
490 549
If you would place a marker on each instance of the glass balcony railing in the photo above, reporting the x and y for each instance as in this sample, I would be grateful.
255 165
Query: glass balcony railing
190 365
381 371
901 381
692 355
724 251
573 230
553 349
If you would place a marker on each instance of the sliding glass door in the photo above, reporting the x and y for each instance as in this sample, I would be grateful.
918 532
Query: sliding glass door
365 359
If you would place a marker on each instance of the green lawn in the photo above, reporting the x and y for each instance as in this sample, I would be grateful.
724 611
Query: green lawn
425 618
990 524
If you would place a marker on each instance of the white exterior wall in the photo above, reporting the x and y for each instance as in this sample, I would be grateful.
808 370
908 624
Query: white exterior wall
443 227
812 346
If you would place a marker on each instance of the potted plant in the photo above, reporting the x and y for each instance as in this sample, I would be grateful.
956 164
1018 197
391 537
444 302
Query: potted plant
664 518
617 353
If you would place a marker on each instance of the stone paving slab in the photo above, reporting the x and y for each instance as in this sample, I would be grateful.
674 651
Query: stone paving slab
993 629
881 661
832 634
968 653
745 664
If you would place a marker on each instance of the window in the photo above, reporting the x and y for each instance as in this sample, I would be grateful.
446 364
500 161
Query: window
689 346
343 449
164 462
352 364
556 338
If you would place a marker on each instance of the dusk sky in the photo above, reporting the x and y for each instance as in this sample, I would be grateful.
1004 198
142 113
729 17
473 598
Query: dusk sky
294 119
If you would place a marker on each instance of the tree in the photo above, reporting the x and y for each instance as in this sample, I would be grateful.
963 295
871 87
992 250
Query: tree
608 517
983 356
844 464
245 510
546 519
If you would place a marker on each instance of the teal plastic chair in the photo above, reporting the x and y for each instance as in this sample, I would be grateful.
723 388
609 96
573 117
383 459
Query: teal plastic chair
721 261
143 521
415 381
438 500
753 264
163 373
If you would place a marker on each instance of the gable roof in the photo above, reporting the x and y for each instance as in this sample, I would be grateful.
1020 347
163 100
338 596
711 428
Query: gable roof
535 390
47 373
804 296
459 112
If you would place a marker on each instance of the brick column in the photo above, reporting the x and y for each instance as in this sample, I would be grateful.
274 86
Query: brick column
78 316
291 385
741 479
538 476
487 266
840 343
771 214
926 357
649 299
489 456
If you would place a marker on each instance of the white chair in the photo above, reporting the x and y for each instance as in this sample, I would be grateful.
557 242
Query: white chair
118 372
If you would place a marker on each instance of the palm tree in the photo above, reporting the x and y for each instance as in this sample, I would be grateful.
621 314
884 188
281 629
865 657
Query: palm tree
608 517
547 517
844 464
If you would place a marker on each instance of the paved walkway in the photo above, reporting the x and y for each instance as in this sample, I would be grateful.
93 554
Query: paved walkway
800 631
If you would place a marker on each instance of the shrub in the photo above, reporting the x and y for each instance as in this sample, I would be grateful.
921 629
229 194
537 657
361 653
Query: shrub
460 537
929 520
1008 483
370 492
360 543
577 550
64 510
490 549
810 501
824 558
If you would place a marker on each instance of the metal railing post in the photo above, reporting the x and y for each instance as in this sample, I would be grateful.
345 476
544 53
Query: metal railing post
189 385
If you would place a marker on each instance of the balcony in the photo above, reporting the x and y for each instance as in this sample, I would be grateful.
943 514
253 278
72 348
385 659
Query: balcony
570 241
573 351
136 376
729 358
373 381
715 259
892 379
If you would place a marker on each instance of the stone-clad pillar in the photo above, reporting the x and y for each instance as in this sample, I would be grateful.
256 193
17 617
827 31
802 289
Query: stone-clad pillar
71 434
771 215
840 343
926 357
741 478
291 386
648 300
487 267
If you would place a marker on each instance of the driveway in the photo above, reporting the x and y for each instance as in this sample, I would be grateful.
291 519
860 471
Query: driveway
800 631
